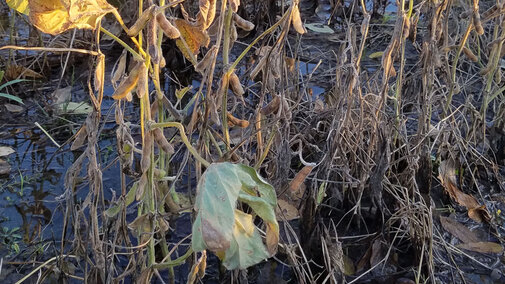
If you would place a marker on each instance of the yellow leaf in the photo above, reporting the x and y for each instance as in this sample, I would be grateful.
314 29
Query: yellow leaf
376 54
193 35
19 5
244 222
272 238
56 16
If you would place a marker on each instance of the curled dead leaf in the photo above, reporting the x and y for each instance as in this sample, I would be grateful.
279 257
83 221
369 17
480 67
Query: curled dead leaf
120 69
272 238
99 73
447 176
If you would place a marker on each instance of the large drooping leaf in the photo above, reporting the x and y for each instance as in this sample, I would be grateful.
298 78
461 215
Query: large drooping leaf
56 16
229 232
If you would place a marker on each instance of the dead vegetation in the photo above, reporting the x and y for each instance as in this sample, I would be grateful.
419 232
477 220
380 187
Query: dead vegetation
394 174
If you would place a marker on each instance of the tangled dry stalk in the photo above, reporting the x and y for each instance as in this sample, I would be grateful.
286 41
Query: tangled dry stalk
356 169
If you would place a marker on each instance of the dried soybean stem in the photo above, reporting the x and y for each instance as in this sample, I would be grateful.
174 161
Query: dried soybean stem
184 139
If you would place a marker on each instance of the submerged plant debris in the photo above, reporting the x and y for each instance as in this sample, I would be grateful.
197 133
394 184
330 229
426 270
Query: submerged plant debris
209 141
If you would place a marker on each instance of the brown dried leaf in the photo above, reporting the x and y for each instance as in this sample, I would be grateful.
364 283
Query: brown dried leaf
6 151
14 108
482 247
142 225
376 255
5 168
17 71
458 230
62 95
272 238
286 211
80 138
447 176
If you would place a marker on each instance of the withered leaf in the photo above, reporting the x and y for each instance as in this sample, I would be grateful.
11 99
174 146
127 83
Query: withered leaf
193 35
482 247
458 230
286 211
447 176
56 16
